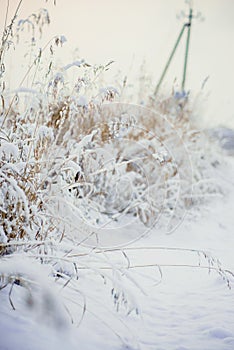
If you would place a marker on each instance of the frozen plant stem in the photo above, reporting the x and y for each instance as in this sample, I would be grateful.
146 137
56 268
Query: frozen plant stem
7 31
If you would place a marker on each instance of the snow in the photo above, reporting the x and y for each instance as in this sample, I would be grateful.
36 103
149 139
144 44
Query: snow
62 39
3 238
220 333
225 137
8 150
96 251
172 308
82 101
45 132
74 64
25 90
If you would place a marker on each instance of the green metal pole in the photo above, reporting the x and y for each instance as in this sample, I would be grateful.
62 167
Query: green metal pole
169 59
188 25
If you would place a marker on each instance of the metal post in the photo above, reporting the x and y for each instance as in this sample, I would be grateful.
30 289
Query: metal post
170 58
188 25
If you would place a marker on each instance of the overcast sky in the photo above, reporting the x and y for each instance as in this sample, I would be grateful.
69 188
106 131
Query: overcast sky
130 31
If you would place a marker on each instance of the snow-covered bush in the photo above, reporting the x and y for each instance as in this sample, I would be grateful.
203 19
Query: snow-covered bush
145 161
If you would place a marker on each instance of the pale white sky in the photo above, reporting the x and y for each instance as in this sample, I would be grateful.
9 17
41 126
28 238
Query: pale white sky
128 31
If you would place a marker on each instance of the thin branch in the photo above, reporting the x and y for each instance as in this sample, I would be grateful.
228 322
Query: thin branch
7 9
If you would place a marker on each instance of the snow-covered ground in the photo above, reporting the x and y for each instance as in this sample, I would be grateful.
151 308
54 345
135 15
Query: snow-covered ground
169 308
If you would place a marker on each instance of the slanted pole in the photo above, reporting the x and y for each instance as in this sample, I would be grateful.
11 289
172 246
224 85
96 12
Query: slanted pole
188 25
169 59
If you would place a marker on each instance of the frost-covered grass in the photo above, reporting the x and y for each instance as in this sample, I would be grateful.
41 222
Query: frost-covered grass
80 166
